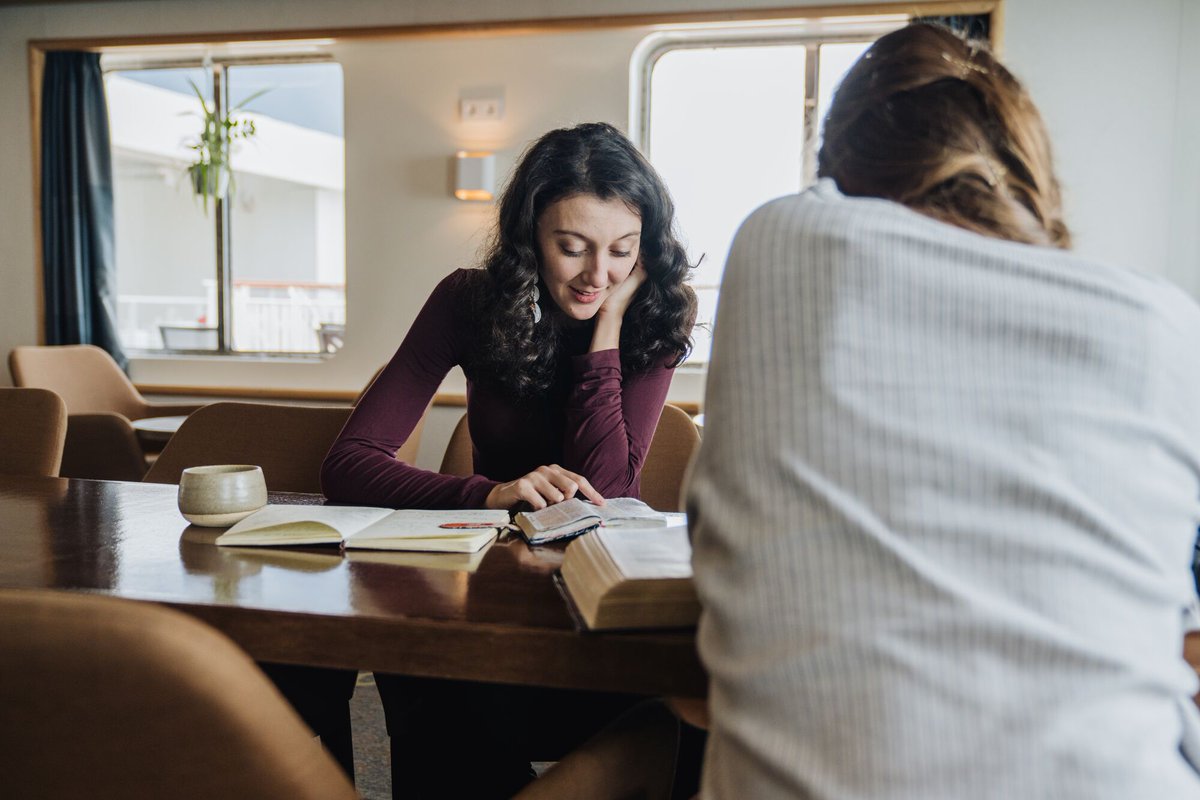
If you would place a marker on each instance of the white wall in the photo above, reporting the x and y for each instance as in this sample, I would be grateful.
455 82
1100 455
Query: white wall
1112 79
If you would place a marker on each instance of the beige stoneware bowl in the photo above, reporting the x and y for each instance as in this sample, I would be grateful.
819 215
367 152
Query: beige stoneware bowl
222 494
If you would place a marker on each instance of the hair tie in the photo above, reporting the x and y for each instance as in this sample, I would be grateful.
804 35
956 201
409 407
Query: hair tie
997 170
965 67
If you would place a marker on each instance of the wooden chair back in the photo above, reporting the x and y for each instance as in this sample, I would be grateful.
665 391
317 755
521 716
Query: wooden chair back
675 442
33 428
288 442
114 698
459 458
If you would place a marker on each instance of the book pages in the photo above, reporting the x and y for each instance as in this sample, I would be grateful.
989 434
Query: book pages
648 553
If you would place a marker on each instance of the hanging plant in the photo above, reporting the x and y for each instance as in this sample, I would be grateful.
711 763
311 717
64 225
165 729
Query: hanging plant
210 172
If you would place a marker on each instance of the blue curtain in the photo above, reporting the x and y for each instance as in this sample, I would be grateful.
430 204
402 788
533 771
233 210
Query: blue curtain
79 267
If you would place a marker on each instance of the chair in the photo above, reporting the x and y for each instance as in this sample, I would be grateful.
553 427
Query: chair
331 336
675 441
112 698
100 401
33 426
188 336
288 442
459 459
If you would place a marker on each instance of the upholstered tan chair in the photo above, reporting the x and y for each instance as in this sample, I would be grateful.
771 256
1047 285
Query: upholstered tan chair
459 459
112 698
33 427
675 442
88 381
100 400
288 442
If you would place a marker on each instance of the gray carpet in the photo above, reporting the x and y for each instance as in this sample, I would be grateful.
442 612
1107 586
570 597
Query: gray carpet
371 772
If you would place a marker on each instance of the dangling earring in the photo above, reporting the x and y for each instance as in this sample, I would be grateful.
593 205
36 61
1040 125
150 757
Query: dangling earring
534 308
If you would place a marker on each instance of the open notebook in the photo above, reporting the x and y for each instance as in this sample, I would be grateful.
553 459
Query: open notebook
368 528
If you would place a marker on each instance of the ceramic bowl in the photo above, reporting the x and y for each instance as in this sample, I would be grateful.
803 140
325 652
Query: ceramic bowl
220 495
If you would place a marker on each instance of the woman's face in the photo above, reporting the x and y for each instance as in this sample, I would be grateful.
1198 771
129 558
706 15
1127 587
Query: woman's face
588 247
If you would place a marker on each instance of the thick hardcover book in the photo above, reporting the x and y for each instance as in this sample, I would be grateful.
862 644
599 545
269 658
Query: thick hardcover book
629 578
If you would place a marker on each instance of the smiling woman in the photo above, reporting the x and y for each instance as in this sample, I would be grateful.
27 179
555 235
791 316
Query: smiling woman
568 338
589 249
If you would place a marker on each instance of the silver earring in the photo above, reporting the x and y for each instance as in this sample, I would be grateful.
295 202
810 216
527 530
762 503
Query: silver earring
534 308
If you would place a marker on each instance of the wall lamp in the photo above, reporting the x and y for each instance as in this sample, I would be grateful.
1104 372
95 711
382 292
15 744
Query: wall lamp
474 175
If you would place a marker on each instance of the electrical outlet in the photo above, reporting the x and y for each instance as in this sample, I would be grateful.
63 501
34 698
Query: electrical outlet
483 108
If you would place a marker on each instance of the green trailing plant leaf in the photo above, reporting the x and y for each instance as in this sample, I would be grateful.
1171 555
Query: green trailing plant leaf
210 173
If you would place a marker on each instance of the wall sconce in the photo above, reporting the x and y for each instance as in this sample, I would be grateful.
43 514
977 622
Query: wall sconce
474 175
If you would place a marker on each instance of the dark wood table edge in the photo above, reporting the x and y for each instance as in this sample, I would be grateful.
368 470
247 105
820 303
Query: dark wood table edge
565 659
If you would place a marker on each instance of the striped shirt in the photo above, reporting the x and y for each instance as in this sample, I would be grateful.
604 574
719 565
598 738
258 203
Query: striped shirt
943 515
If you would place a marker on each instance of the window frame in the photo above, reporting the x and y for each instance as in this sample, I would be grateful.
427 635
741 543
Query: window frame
810 34
133 59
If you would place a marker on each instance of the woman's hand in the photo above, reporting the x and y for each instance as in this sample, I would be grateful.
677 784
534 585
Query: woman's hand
607 333
543 487
617 303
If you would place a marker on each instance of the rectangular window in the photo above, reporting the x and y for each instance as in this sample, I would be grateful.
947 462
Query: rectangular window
731 120
249 259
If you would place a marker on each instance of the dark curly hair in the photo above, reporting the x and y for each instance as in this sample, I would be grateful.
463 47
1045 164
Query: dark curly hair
593 159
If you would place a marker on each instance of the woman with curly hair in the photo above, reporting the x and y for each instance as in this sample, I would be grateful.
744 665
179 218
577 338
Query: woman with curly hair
568 336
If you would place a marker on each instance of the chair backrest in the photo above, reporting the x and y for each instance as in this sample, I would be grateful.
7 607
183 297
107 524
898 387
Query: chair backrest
288 442
368 384
459 459
675 442
114 698
33 428
83 375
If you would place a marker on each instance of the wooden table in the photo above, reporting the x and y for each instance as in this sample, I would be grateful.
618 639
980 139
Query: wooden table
503 622
156 430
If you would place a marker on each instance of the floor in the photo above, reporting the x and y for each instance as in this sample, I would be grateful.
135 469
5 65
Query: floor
371 769
372 777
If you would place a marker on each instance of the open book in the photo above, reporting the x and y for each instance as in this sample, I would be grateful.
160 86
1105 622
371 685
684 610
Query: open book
631 578
368 527
573 517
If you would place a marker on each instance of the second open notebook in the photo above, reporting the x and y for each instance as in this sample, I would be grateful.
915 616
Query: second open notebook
368 528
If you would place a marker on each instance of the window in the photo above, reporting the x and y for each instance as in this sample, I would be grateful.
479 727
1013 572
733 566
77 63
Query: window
261 269
730 118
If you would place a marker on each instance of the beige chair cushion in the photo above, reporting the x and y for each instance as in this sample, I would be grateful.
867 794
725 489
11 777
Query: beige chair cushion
109 698
33 427
102 446
288 442
88 380
675 442
459 459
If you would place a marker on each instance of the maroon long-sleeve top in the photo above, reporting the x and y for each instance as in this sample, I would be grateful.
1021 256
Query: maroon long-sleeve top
593 420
